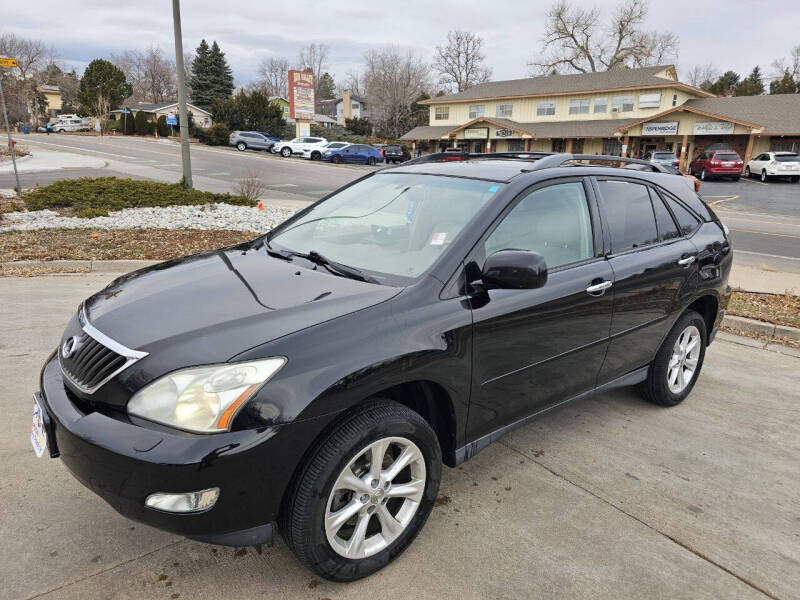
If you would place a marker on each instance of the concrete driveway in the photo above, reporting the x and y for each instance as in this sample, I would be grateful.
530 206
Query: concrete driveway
610 498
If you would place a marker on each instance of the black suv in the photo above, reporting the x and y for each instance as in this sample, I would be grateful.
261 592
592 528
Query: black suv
396 154
318 376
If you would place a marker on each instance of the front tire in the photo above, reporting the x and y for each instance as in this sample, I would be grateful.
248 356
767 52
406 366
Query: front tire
747 172
676 367
371 161
286 152
336 159
316 155
364 493
241 146
763 177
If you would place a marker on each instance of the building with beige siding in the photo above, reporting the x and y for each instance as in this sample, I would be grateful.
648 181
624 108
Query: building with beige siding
619 112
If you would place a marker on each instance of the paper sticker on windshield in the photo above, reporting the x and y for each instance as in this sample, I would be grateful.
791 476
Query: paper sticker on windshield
439 238
493 189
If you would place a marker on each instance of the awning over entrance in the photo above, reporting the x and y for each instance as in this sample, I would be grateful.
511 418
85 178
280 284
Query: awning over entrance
590 128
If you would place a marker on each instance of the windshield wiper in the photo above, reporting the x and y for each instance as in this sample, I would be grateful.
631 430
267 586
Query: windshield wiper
335 267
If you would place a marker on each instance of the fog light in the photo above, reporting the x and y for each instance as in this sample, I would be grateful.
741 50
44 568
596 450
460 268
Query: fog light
183 503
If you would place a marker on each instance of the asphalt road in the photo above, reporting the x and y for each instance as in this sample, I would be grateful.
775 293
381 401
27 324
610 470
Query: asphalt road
609 498
213 168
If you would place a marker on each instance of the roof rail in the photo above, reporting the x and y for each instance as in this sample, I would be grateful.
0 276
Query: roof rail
457 156
557 160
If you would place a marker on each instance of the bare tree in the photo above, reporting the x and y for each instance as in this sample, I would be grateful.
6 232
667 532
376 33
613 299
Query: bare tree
353 82
790 65
313 57
272 78
461 62
393 81
31 55
576 40
702 76
24 102
150 72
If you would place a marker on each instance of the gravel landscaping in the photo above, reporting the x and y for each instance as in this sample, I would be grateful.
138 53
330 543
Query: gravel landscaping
200 217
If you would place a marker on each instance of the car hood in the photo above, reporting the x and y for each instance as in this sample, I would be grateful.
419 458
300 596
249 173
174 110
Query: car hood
211 306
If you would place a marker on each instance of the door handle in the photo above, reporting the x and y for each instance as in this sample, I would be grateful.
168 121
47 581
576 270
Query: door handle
686 261
599 289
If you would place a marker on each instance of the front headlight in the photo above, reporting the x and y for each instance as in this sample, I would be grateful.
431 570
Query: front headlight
203 399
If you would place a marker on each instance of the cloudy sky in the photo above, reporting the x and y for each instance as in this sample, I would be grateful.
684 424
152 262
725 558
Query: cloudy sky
732 34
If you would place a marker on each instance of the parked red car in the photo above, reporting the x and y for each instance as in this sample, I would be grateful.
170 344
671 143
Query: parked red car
717 163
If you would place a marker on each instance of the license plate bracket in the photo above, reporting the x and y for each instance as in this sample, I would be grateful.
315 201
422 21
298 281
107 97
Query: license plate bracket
42 434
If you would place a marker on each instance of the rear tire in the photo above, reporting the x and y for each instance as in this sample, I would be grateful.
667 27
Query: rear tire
336 159
676 367
388 510
703 176
371 161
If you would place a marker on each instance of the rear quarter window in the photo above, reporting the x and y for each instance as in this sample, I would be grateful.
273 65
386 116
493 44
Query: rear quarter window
687 221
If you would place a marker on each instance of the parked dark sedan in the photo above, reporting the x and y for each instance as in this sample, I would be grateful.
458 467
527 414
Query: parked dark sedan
396 154
354 154
318 376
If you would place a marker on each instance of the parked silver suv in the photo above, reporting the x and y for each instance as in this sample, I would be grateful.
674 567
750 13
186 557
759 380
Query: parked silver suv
249 139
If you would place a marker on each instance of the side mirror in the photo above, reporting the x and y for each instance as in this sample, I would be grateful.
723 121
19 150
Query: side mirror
515 269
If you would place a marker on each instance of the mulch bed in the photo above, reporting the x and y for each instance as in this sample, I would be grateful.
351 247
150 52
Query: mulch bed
781 309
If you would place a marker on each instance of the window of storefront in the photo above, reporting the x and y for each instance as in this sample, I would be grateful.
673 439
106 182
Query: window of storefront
600 105
784 144
558 146
546 107
579 106
612 147
504 110
622 104
577 146
476 111
516 145
650 100
442 113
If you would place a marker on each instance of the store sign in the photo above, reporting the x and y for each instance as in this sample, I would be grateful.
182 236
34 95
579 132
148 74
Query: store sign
503 133
713 128
476 133
670 128
301 95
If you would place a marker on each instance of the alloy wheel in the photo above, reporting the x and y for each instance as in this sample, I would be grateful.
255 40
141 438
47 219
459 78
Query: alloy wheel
764 176
685 356
375 497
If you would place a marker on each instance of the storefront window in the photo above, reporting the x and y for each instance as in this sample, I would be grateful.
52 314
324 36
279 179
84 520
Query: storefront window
516 145
476 111
504 110
546 107
612 147
600 105
558 146
442 113
622 104
579 106
577 146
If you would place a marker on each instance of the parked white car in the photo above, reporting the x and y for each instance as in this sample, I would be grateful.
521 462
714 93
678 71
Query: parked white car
76 124
774 164
298 145
316 153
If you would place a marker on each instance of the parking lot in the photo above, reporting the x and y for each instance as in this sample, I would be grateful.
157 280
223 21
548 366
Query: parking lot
608 498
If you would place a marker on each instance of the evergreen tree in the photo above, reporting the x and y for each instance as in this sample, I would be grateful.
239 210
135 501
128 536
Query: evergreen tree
725 85
222 74
752 85
140 123
326 88
784 85
211 75
162 127
103 88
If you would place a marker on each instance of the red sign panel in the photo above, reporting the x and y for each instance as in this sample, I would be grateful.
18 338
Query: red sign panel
301 95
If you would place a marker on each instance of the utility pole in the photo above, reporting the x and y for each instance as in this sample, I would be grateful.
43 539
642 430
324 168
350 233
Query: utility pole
8 63
183 114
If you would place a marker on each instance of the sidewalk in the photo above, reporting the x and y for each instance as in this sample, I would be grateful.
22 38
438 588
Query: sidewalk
48 160
755 279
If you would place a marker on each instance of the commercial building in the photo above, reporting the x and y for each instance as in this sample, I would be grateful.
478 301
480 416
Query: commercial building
622 112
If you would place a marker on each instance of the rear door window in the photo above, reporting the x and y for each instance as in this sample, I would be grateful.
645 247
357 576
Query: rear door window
686 219
629 214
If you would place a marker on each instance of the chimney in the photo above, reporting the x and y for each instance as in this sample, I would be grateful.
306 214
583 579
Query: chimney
347 107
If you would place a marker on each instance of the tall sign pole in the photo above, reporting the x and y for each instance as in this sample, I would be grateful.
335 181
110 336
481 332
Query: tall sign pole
9 63
183 114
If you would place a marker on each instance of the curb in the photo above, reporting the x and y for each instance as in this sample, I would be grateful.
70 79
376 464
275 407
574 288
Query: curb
761 327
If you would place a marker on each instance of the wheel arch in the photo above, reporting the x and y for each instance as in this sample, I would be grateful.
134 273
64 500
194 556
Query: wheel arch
708 308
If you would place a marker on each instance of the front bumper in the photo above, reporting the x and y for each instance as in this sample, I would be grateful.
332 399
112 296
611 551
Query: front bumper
123 463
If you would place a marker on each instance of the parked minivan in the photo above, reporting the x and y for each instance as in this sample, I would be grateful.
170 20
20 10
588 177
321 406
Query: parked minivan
316 378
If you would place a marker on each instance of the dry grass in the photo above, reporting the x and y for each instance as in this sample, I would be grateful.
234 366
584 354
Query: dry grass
34 271
87 244
781 309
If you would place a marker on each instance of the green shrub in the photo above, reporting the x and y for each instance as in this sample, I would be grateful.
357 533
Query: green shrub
141 123
112 126
128 125
162 127
216 135
94 197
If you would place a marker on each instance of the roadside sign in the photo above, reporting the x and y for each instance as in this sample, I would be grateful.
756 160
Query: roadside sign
172 120
125 111
8 63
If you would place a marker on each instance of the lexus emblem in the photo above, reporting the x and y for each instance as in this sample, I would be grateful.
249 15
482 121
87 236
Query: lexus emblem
69 346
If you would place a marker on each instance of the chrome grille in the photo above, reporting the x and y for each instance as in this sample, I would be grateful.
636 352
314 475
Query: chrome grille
91 363
93 358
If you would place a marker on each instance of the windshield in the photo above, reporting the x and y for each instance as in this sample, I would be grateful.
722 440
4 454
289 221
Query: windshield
391 226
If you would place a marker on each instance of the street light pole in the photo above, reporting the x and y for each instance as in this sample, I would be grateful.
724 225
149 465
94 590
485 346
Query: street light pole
10 141
182 112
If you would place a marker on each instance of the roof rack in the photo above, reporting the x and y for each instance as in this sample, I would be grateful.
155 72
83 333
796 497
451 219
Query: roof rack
558 160
458 156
